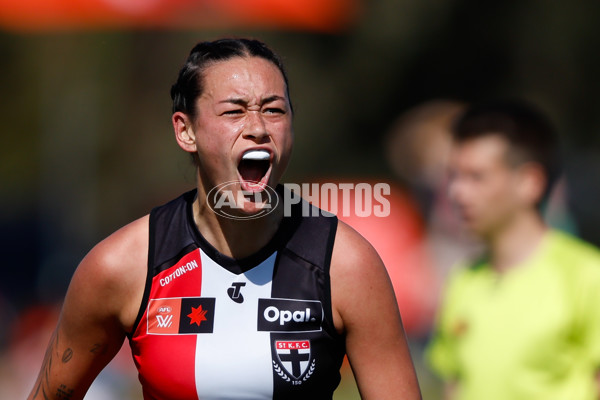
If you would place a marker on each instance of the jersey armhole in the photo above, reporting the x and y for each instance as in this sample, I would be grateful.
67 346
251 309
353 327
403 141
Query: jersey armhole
327 267
148 284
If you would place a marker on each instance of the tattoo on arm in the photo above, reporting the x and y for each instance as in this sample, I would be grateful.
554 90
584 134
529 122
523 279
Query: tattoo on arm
64 393
43 388
98 349
45 395
43 381
43 385
67 355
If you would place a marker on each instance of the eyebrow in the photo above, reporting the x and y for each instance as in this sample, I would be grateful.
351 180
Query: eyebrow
242 102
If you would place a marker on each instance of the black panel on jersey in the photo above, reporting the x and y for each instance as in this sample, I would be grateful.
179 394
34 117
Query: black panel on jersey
170 233
302 272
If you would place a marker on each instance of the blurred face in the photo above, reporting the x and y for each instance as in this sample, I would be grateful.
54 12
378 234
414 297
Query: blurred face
243 126
484 187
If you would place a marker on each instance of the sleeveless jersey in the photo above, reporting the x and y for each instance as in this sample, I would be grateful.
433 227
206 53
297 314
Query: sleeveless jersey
213 327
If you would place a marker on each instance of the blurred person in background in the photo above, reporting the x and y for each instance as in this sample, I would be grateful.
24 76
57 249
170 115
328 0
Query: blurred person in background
417 149
523 321
232 306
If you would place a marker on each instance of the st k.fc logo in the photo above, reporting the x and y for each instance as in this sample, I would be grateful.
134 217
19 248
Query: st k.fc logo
294 362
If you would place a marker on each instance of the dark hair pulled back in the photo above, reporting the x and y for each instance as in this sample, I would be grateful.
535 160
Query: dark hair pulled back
189 85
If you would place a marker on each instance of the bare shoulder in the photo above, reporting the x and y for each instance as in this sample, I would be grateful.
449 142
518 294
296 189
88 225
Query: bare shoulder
354 261
351 249
127 243
115 271
356 268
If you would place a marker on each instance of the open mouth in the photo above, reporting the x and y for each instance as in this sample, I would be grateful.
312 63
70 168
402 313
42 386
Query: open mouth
254 169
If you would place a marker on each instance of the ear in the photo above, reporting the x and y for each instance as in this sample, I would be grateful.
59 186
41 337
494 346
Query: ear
532 184
184 133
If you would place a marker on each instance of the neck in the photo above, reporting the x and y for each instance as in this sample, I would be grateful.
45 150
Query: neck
231 237
516 241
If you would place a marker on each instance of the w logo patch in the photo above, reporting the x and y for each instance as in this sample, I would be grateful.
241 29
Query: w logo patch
164 321
176 316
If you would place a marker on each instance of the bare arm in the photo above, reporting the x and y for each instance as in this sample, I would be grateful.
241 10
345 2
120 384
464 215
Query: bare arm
99 308
365 309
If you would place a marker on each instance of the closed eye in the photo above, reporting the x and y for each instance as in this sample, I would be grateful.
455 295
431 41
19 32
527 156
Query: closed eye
274 110
232 112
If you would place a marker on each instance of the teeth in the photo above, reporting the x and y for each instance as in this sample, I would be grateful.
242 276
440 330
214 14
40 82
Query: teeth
256 155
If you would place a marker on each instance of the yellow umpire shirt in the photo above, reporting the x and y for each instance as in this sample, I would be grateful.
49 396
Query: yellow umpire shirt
530 333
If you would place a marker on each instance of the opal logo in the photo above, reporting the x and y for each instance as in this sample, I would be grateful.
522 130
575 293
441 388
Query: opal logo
273 314
289 315
226 198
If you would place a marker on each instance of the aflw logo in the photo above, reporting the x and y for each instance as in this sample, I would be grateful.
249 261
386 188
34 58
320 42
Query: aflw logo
181 315
164 321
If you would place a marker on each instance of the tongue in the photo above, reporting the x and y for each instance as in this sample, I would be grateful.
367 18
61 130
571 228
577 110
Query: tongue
251 171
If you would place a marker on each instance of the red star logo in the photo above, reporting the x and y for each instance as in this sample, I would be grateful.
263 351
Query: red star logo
197 315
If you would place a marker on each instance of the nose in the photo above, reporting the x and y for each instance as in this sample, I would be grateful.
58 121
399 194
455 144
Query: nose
256 128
